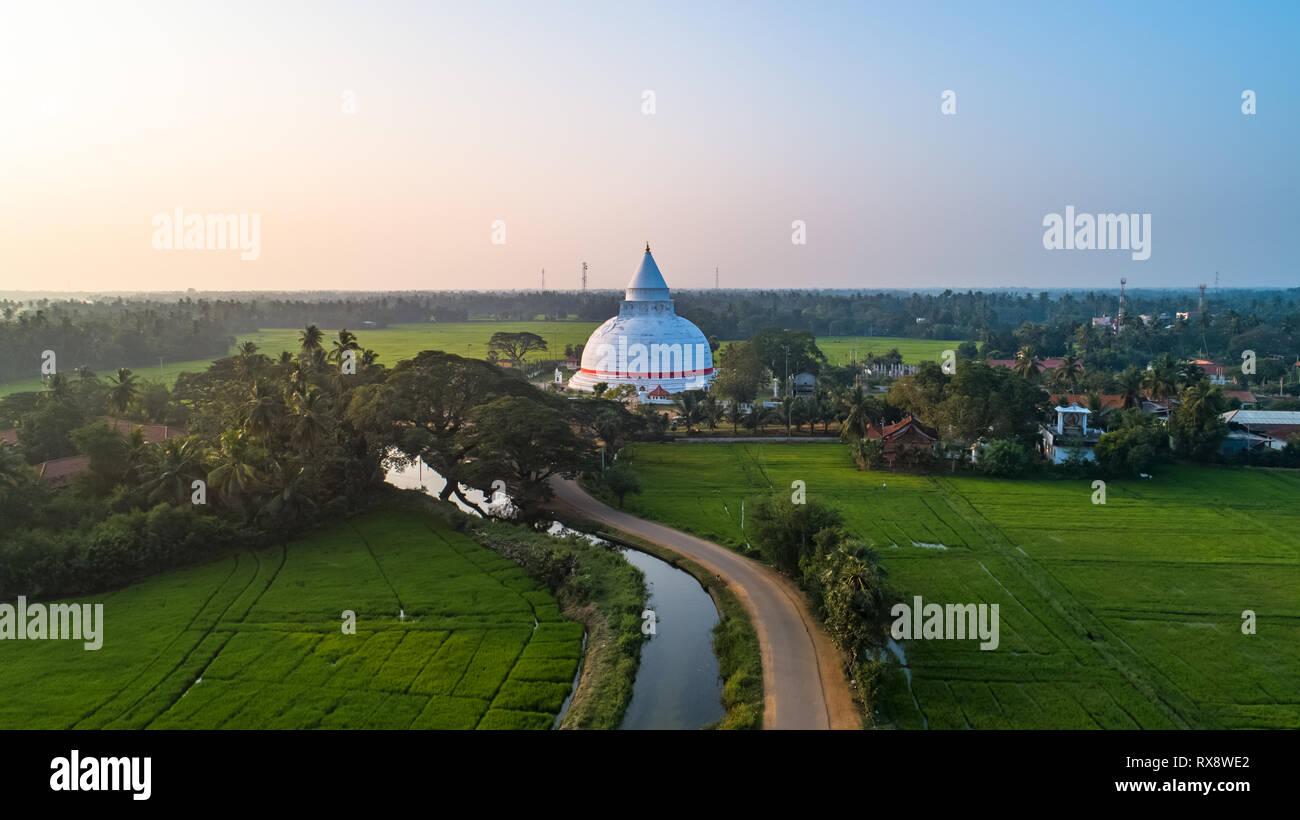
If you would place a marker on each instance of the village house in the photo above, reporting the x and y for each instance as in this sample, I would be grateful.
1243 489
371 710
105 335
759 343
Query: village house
903 435
1265 428
1215 372
805 384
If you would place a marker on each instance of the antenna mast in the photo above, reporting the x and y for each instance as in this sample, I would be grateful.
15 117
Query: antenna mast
584 277
715 278
543 278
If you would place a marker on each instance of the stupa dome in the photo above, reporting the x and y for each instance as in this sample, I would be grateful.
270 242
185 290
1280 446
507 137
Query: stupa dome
647 344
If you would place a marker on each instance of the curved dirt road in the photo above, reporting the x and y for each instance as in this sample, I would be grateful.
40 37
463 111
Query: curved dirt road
802 683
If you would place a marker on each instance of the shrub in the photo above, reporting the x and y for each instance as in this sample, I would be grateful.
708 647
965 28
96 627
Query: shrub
1006 458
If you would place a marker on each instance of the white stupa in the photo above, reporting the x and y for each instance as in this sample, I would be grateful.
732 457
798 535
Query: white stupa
647 344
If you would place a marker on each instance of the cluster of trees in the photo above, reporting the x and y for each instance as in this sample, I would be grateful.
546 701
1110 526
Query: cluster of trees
481 427
272 446
845 584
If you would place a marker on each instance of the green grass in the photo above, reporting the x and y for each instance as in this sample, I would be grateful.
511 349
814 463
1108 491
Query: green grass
393 343
403 341
841 349
255 641
1117 616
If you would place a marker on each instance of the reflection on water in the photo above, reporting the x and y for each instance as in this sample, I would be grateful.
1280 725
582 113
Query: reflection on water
677 685
420 475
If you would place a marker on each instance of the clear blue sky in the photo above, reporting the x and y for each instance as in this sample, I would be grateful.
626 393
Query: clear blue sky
531 113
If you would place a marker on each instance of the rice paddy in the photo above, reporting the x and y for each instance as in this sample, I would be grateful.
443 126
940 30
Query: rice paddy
449 635
1123 615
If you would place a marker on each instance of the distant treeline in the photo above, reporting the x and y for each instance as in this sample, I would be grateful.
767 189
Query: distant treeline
108 333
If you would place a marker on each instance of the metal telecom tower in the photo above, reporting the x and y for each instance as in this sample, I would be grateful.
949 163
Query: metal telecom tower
543 278
715 278
1119 317
584 277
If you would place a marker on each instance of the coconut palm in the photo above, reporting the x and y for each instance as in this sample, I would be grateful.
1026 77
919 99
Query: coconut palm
233 470
1069 371
688 408
291 499
123 391
1130 387
857 418
347 340
309 341
171 470
309 421
262 409
1027 365
1161 380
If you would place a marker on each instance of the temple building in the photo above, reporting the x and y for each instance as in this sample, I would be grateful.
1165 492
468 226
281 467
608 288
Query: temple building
647 344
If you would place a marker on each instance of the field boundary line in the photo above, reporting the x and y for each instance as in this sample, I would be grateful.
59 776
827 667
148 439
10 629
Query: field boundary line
95 709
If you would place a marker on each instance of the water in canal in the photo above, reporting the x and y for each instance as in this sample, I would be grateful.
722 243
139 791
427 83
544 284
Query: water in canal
677 684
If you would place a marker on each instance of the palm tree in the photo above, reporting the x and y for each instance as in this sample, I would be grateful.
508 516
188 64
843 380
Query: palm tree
1069 371
309 421
122 393
232 470
688 407
292 499
858 418
1162 379
262 409
1130 387
309 339
171 470
1027 363
246 363
347 340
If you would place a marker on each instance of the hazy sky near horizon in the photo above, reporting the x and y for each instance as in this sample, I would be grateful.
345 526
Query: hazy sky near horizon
379 142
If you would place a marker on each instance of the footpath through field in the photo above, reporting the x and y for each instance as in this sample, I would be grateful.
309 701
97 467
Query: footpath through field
803 684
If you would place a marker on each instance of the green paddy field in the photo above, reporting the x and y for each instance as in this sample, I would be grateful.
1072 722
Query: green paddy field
1119 616
403 341
254 641
393 343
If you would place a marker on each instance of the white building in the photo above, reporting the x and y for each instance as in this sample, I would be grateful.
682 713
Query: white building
1069 436
647 344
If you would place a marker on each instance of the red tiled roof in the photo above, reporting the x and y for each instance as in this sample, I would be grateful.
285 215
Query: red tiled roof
1242 396
62 470
1108 400
891 432
658 393
153 433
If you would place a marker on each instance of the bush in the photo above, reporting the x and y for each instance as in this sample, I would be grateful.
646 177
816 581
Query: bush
1006 458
